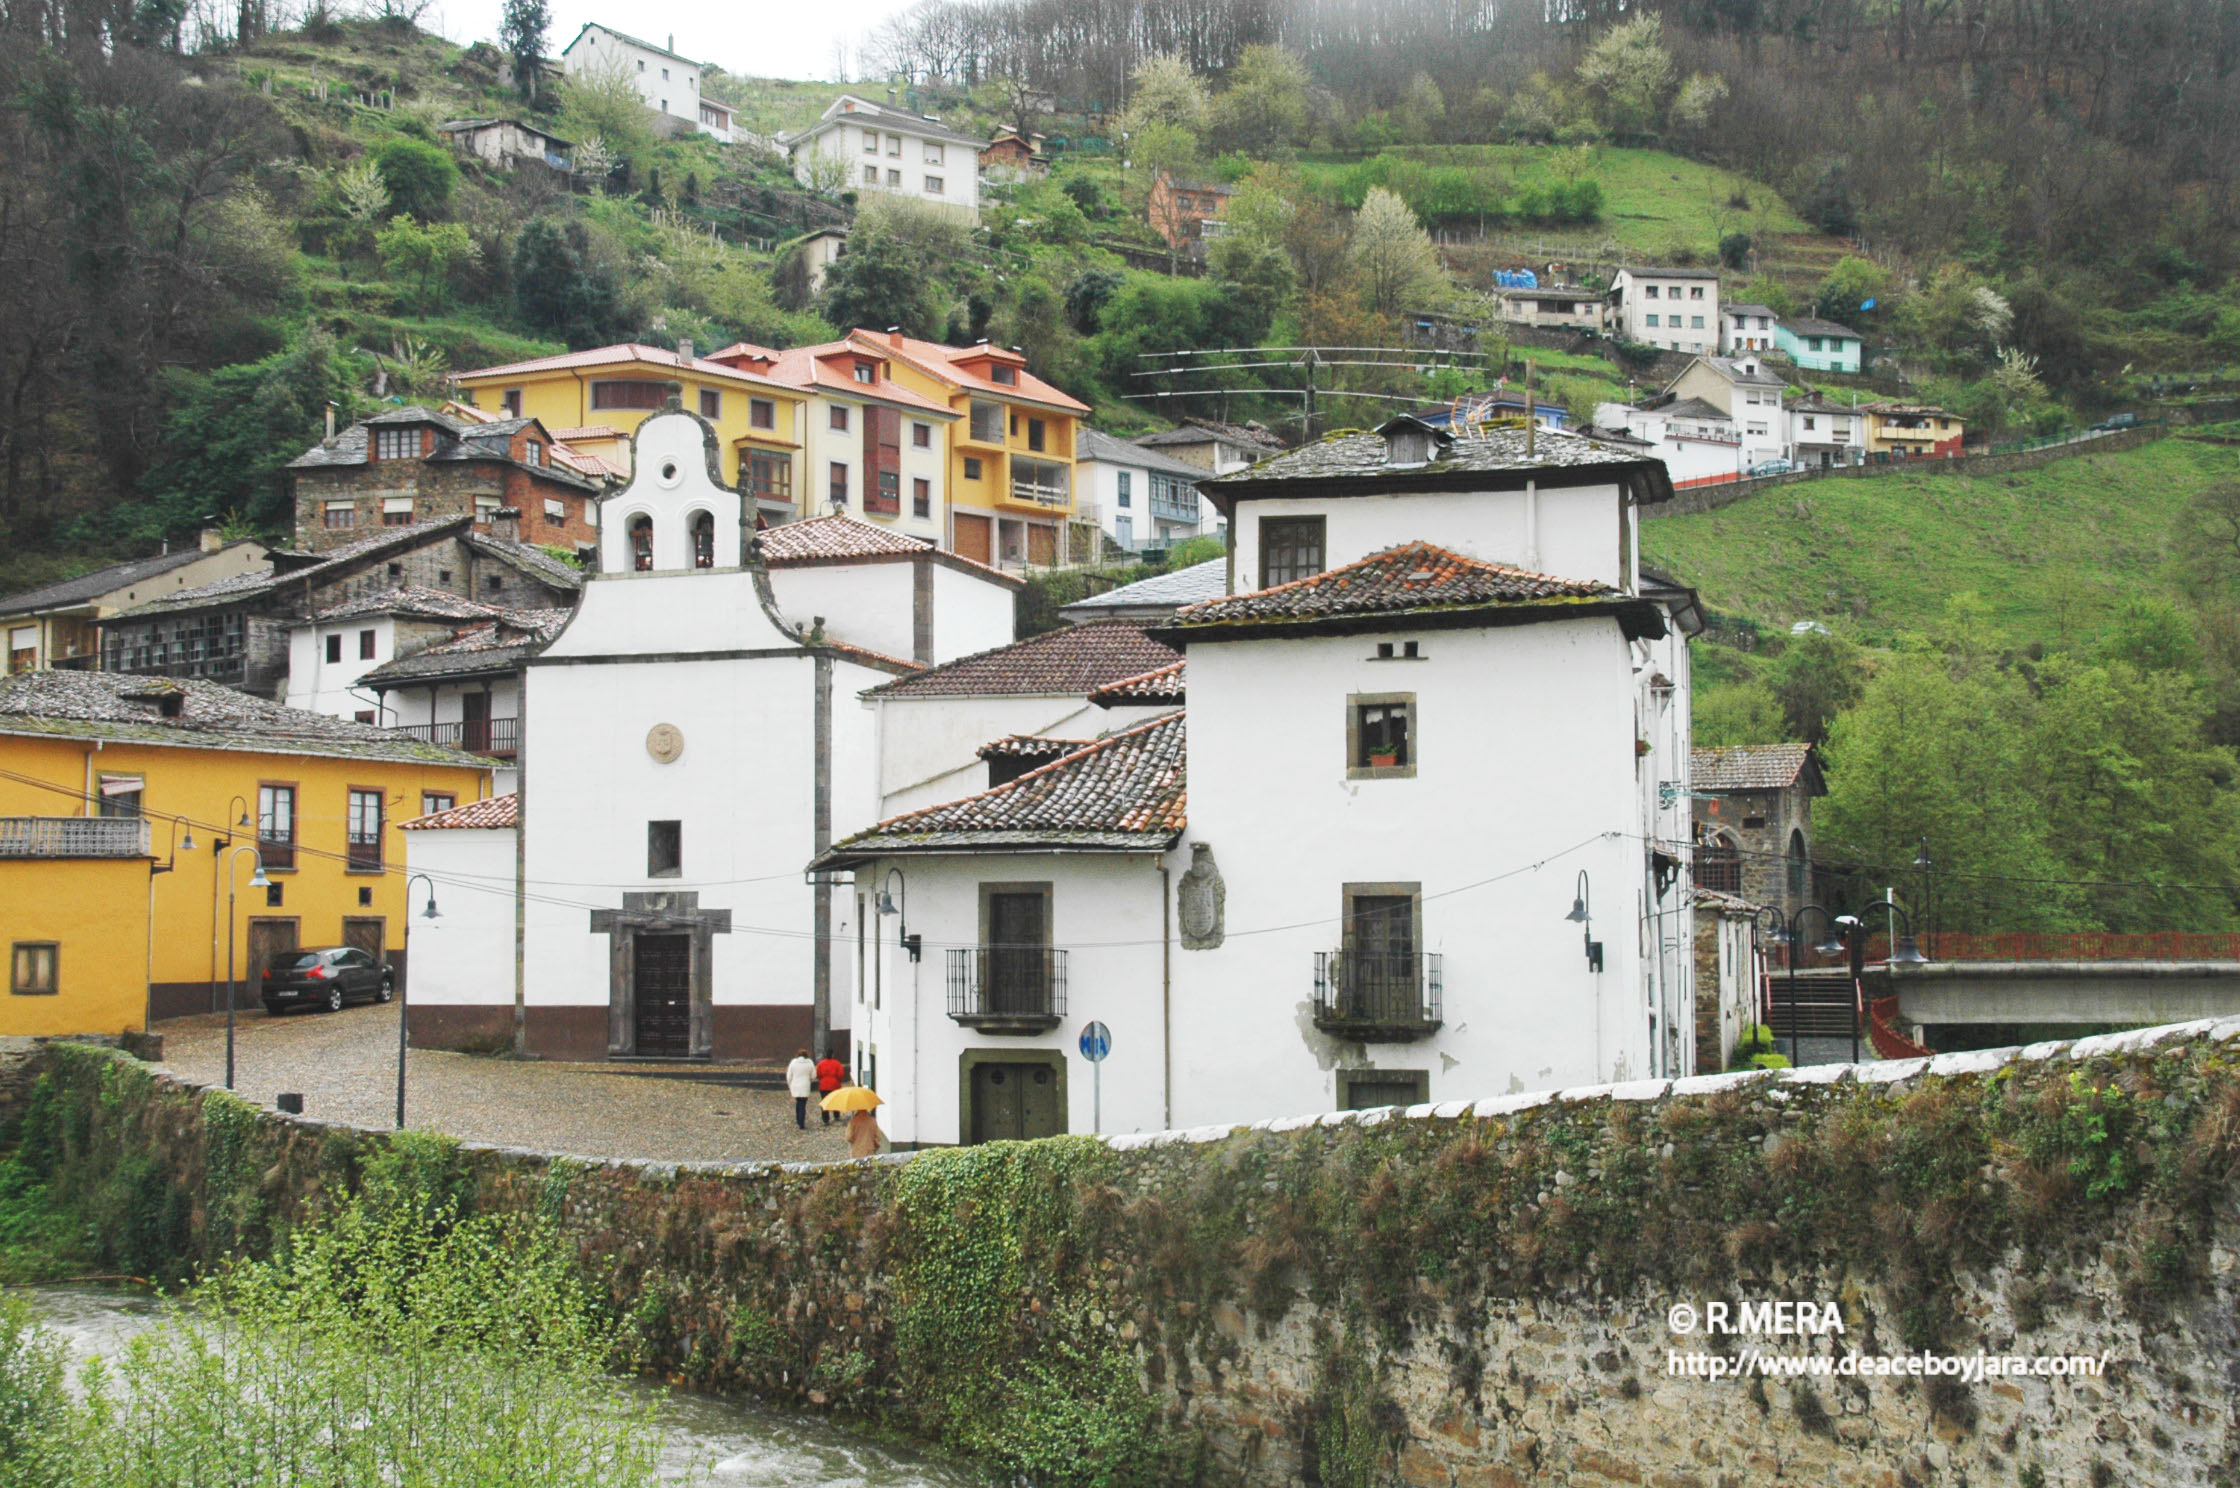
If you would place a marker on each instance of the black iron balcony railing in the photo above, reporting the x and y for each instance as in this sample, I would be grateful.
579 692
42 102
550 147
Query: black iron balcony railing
1377 997
1007 989
499 736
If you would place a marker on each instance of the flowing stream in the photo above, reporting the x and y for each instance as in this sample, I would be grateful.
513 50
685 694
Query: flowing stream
722 1442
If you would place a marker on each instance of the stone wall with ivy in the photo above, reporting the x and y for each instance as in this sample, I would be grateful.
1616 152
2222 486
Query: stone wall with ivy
1460 1297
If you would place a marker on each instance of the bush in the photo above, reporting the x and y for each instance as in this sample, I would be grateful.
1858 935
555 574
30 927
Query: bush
1734 249
419 176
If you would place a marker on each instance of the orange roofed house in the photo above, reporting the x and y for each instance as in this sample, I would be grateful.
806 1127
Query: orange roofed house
1010 451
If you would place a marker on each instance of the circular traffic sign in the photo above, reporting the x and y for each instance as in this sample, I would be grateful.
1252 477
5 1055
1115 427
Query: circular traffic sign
1096 1042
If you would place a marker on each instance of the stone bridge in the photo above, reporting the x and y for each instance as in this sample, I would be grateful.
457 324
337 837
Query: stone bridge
2132 993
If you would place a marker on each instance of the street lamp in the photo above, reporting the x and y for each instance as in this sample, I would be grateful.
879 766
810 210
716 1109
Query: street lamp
257 880
1580 915
1923 866
1789 932
404 989
890 904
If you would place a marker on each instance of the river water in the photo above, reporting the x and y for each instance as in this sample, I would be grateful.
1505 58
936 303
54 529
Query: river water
715 1440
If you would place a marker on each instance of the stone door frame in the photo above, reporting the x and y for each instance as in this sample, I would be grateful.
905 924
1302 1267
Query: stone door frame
674 913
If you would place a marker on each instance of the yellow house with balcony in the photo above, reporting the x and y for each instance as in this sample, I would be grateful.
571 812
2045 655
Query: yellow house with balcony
132 808
1011 449
594 401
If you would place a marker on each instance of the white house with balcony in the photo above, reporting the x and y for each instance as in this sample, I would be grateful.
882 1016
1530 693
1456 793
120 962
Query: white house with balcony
1142 499
870 147
699 737
666 79
1420 834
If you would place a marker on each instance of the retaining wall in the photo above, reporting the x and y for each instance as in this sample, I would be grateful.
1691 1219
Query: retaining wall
1464 1296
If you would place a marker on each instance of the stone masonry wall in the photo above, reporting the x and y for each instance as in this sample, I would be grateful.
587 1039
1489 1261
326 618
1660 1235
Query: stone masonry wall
1461 1296
440 490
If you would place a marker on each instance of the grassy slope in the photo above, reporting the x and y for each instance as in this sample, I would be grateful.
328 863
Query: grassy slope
2052 551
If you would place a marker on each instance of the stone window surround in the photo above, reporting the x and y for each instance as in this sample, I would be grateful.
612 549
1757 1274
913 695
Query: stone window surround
1357 701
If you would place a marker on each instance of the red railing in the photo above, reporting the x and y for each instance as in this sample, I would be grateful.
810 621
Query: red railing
1888 1042
2083 945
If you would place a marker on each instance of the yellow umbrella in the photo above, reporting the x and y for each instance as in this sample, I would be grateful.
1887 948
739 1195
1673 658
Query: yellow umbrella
853 1098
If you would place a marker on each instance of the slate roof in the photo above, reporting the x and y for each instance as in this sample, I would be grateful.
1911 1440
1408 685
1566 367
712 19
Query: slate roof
1413 577
1169 591
1657 273
1808 325
872 111
1726 903
1362 456
87 587
1731 369
414 601
500 643
1162 686
1206 431
1693 408
462 440
123 708
492 811
1749 766
1031 746
470 126
1074 661
1089 444
1751 307
1125 794
255 584
1818 404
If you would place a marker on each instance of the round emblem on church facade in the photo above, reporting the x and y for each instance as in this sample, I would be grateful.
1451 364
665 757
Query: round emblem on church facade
664 741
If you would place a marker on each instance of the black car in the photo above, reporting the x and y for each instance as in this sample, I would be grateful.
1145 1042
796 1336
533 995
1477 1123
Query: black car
325 978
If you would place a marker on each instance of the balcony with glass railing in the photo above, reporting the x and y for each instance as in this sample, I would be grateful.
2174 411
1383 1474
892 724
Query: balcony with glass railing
1007 988
1377 997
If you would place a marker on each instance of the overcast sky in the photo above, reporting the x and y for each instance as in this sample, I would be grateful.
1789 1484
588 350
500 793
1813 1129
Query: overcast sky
758 38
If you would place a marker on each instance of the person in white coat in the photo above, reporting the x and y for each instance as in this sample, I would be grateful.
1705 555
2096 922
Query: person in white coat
801 1083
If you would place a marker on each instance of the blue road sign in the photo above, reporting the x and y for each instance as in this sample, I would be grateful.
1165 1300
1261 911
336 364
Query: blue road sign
1096 1042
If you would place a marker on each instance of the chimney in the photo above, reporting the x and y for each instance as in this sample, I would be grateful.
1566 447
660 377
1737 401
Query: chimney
330 423
684 351
894 337
212 539
672 41
505 524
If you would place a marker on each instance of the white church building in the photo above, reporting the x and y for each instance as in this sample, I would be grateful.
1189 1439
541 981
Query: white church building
1418 832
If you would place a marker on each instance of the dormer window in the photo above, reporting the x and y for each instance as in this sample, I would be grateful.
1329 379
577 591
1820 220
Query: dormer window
1008 376
533 452
396 444
866 372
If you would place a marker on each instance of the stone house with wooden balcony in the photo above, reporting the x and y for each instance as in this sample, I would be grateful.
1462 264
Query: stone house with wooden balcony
237 631
57 625
411 465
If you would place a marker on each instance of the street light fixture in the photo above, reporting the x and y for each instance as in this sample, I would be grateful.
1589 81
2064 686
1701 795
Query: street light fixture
404 989
1582 916
890 904
257 880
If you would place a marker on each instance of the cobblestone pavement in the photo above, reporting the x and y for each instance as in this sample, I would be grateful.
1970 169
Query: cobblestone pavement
345 1066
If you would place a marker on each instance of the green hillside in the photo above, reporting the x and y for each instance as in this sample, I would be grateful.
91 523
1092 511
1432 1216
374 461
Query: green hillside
2052 552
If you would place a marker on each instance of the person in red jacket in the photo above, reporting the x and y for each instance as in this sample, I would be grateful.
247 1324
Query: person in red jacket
830 1075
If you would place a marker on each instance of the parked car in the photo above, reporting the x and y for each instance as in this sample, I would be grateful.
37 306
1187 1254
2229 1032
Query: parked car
1770 467
2116 421
325 977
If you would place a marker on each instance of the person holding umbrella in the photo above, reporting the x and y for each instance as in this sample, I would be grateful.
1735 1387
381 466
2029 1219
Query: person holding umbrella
864 1137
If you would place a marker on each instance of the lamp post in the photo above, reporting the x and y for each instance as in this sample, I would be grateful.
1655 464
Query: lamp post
1923 866
404 991
1787 931
1583 917
257 880
899 906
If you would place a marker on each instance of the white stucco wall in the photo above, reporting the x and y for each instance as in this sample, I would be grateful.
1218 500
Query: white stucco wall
668 84
1569 531
465 954
863 604
321 686
958 168
928 747
1525 756
827 446
971 614
1105 913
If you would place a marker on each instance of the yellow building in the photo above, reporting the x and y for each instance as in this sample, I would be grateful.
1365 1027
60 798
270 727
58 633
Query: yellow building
1913 430
594 401
1011 449
126 805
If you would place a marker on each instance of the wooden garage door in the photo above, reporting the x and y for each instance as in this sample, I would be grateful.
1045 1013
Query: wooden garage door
366 933
267 938
973 538
1042 545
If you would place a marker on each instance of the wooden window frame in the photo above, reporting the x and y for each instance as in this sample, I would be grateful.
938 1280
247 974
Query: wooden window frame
836 418
334 647
450 799
921 497
1348 1078
1351 893
838 478
1293 573
711 403
286 862
352 860
1355 703
762 413
366 644
921 436
53 948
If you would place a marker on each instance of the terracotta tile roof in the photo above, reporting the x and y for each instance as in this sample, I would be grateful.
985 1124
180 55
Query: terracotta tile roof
590 432
1414 577
625 354
1125 793
877 660
493 811
1031 746
1726 903
1072 662
123 707
1161 686
943 362
805 367
1749 766
836 536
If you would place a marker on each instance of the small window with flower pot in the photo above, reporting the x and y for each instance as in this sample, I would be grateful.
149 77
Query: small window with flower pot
1381 736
